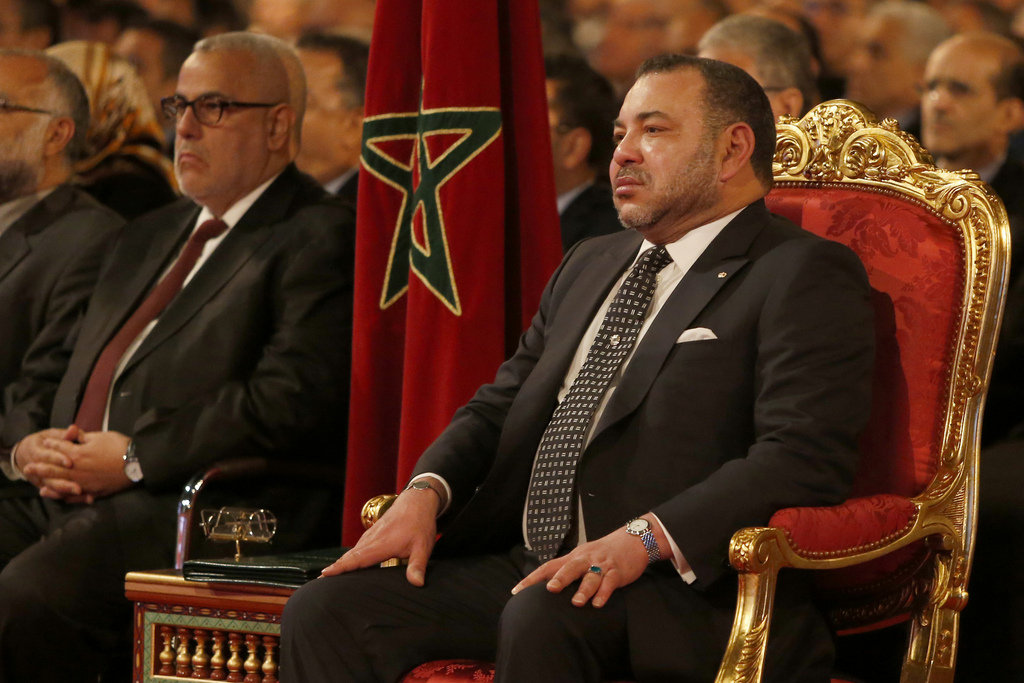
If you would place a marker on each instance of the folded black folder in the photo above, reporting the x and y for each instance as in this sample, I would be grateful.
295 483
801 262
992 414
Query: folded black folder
289 570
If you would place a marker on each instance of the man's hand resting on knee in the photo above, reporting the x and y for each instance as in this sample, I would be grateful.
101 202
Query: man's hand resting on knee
620 557
407 531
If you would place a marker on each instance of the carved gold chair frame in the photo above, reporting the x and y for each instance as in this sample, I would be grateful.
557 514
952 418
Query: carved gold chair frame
841 144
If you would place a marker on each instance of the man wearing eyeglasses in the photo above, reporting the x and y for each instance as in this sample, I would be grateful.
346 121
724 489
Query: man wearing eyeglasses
53 238
973 100
219 328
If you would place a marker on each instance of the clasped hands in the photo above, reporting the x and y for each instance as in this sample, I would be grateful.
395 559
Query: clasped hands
408 531
72 465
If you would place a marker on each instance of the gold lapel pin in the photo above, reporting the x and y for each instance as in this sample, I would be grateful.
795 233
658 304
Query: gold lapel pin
722 274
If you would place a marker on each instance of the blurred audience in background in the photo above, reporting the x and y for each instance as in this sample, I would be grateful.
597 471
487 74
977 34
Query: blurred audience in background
887 63
125 166
157 48
778 59
29 24
332 130
581 109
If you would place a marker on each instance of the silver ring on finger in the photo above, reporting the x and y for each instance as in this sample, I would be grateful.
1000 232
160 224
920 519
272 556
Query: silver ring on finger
594 569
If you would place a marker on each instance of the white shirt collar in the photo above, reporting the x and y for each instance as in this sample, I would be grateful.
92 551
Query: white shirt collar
12 211
333 186
688 248
239 208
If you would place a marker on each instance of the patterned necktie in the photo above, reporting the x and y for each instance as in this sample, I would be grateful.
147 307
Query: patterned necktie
94 400
549 501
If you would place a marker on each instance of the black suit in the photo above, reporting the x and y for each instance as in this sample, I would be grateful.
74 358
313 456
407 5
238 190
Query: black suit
250 358
992 621
1003 406
711 435
590 214
349 190
49 261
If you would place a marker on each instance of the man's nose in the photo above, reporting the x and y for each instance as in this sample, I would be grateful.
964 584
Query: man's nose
627 151
187 125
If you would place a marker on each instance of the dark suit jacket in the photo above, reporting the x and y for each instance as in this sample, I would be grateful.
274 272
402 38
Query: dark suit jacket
1004 407
350 190
49 261
592 213
711 435
251 357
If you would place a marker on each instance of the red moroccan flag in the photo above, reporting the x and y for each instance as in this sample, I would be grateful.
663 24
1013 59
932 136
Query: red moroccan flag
457 227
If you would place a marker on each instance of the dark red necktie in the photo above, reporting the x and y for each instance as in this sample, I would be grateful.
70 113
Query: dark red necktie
94 401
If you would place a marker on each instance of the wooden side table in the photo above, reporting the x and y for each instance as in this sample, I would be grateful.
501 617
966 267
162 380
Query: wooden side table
204 631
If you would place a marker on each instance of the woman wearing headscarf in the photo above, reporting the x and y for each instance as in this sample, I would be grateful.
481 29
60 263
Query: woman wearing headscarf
125 166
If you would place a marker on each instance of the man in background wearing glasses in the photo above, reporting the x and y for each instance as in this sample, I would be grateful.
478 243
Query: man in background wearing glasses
219 328
53 238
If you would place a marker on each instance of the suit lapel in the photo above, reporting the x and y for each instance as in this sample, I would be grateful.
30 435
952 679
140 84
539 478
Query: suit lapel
15 241
150 249
726 254
244 239
577 309
13 248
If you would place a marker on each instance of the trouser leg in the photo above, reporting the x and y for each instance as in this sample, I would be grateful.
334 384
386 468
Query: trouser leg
544 638
62 601
23 521
373 626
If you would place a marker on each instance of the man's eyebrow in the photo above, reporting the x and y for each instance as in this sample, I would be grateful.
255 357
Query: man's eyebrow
644 116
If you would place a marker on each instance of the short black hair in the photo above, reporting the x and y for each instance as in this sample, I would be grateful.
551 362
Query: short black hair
585 99
178 41
354 55
40 14
731 96
122 12
219 15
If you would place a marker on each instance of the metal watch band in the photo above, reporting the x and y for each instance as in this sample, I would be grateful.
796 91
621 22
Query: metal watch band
646 537
423 484
653 551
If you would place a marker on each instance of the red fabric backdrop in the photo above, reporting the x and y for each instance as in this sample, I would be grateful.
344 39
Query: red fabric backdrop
457 226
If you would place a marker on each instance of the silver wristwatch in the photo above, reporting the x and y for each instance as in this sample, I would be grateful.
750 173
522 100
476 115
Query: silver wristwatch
642 528
132 468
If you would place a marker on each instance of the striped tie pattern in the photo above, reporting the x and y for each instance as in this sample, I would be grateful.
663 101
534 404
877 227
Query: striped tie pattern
549 501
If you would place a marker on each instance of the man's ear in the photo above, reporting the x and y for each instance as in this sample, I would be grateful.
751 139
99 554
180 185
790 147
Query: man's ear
736 146
280 127
789 102
1011 110
574 148
59 133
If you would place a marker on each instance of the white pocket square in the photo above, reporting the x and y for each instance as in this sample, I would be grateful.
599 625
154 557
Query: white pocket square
696 334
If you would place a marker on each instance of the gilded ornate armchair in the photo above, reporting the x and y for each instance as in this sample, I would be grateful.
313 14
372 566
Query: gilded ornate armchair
936 248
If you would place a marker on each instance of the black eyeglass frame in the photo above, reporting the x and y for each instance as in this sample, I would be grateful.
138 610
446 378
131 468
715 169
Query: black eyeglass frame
174 107
11 106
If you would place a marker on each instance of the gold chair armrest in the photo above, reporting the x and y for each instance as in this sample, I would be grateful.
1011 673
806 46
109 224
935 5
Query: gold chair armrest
373 509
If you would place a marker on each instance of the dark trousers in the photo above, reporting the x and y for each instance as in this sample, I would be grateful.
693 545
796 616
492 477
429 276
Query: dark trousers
62 606
372 626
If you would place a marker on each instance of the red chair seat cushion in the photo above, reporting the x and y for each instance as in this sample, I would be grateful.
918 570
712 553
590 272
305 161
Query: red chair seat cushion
455 670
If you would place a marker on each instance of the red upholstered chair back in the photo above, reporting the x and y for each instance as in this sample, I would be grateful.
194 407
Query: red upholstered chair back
915 263
934 244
